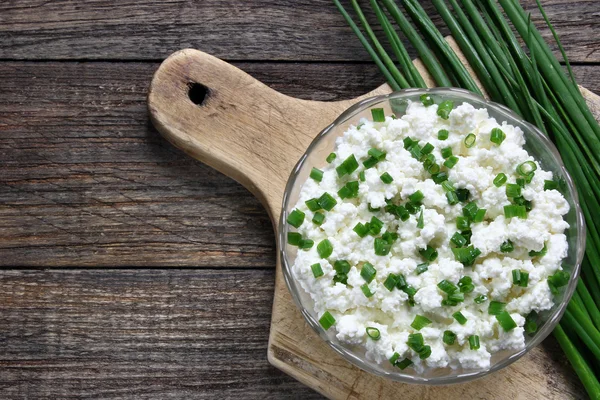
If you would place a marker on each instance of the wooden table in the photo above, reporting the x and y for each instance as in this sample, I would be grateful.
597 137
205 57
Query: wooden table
130 270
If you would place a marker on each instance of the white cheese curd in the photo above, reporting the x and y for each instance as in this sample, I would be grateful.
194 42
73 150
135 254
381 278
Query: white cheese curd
407 280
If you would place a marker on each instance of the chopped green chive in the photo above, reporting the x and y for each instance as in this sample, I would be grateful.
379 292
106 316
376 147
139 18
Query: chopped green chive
361 176
407 362
296 218
526 168
443 134
507 246
370 162
327 202
521 182
425 352
429 253
348 166
520 201
470 140
439 177
317 270
479 215
342 267
415 342
458 239
506 321
451 162
313 204
467 288
368 272
524 282
378 114
361 229
373 333
390 237
327 320
324 248
359 126
448 186
516 276
496 307
415 151
386 178
550 185
366 290
497 136
428 148
375 226
423 267
463 194
428 160
480 299
416 197
426 100
460 318
377 154
474 342
394 358
512 211
449 338
408 142
420 322
500 179
349 190
558 279
433 169
462 223
540 253
444 109
420 222
447 152
529 177
447 287
318 218
466 255
390 282
513 190
330 157
470 210
306 244
316 174
401 282
294 238
456 297
530 323
382 247
452 198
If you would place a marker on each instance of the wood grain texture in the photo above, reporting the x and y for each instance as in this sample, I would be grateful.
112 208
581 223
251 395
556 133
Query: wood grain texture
139 334
87 181
232 30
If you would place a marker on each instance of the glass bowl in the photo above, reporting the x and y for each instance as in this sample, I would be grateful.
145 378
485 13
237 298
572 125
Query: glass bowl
537 144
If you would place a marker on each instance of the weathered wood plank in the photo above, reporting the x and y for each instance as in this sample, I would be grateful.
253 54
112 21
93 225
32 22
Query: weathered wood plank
163 334
86 181
233 30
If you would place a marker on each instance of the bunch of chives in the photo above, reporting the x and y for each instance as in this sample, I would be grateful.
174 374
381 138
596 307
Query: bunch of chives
529 80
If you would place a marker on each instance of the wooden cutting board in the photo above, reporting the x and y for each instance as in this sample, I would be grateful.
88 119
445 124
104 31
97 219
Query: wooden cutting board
225 118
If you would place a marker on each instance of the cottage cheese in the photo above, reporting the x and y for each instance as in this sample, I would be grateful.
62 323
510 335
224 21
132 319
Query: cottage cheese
391 312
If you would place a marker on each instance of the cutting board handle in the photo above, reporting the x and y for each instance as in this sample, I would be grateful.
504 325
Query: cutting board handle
225 118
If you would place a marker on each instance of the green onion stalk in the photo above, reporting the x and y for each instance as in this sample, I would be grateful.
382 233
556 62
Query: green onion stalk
528 79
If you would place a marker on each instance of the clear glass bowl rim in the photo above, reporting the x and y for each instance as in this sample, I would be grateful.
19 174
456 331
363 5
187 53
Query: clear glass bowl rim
552 320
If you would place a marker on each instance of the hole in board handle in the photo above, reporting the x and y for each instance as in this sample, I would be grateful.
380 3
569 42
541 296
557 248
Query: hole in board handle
197 93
